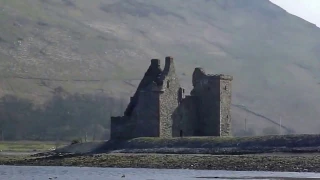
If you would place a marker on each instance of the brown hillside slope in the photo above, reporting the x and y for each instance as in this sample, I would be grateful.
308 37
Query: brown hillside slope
273 56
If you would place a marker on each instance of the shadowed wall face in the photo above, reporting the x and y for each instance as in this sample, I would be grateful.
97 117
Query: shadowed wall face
213 102
208 106
120 128
185 118
146 115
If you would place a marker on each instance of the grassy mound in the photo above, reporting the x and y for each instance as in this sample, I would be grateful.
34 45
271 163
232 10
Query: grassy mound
303 140
214 145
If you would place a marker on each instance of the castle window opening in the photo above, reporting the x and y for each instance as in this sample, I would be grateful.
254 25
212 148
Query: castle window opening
225 87
168 84
181 133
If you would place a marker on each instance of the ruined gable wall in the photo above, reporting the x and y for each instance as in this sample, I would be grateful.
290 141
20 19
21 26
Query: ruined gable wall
152 75
169 97
141 109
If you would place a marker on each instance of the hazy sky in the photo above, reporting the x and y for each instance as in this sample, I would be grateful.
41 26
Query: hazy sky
306 9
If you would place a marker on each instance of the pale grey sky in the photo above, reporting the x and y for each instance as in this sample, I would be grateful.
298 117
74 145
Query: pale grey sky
306 9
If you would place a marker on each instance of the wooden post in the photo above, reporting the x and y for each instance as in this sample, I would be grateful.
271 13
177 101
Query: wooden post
280 126
245 124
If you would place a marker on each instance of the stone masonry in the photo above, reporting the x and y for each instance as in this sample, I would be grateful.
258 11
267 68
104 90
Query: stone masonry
160 108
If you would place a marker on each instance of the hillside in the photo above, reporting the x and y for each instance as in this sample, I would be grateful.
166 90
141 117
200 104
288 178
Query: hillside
273 56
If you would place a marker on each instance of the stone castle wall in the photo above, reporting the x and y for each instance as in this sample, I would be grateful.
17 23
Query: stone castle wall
120 128
208 103
225 104
169 100
159 107
213 94
152 75
185 118
146 115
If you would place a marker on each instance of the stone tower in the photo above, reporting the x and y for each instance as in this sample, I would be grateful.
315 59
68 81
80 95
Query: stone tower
213 101
168 100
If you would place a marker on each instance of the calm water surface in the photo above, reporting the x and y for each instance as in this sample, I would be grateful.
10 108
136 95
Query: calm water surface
85 173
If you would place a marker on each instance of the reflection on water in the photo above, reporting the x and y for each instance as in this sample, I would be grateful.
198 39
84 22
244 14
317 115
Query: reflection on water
85 173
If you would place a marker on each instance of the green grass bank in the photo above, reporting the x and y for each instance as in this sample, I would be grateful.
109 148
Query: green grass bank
215 145
29 146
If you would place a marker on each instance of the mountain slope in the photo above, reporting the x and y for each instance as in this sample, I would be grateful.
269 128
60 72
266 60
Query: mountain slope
273 56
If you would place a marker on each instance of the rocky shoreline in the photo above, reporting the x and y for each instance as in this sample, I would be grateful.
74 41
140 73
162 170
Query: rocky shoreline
202 145
261 162
290 153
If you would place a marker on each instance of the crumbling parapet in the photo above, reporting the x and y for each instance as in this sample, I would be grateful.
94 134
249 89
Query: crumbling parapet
152 75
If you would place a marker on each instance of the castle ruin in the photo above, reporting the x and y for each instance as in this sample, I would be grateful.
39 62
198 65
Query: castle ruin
160 108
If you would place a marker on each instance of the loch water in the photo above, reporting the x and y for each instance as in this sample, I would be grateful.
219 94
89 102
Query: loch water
88 173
